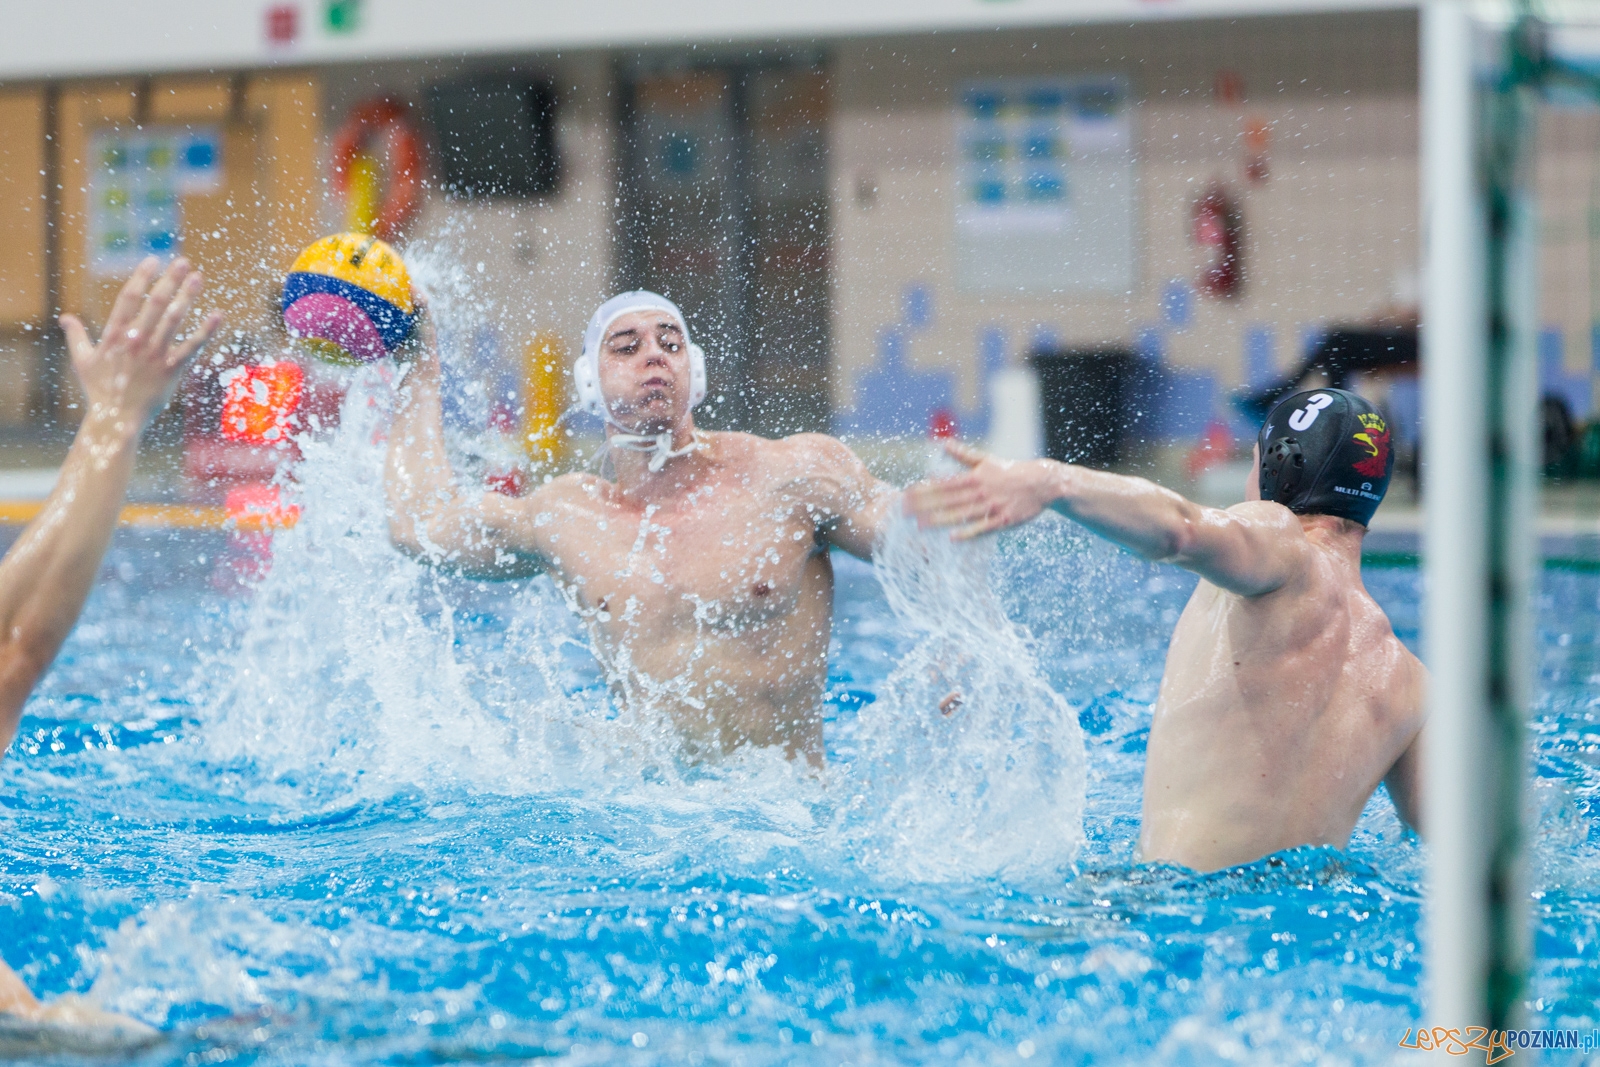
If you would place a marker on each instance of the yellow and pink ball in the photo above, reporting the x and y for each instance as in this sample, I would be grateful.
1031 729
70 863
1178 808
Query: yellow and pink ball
348 300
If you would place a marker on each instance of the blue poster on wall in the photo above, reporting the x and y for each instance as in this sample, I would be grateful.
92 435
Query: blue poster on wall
137 181
1045 186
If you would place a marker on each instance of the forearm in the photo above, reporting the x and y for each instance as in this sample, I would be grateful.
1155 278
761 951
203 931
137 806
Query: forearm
429 517
1143 517
419 484
47 574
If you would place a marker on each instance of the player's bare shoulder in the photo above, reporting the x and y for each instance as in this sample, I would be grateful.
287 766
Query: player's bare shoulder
577 494
1372 636
786 463
1267 536
819 463
567 502
1267 515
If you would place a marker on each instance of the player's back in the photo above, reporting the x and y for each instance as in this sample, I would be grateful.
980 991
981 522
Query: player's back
1278 716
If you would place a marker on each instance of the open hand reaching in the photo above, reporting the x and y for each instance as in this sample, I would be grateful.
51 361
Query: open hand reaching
130 374
991 494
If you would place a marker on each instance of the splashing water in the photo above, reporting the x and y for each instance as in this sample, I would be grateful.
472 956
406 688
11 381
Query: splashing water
395 817
339 672
349 679
375 744
975 763
266 910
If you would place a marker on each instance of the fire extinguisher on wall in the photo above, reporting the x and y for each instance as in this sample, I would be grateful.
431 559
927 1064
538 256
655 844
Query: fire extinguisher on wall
1218 229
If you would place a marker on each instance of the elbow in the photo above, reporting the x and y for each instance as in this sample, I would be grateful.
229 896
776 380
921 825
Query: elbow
1180 538
420 539
1189 531
1179 544
407 525
403 532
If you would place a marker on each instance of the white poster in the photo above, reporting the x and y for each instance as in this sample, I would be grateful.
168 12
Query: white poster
1045 193
136 184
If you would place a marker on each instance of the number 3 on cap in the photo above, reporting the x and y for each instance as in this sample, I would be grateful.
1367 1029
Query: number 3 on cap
1304 417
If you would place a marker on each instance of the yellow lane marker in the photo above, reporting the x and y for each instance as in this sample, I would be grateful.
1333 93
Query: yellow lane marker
158 516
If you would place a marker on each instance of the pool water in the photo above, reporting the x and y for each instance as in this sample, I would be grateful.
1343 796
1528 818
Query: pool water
360 813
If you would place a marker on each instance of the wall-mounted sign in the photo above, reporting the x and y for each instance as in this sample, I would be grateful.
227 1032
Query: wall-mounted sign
282 24
137 181
342 16
1044 196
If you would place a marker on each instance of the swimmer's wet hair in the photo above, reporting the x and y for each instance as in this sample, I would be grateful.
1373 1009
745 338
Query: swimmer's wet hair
1326 452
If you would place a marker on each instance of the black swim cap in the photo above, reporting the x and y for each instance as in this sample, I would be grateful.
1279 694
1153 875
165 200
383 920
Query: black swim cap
1326 452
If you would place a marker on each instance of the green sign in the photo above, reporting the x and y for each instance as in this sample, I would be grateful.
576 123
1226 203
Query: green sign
343 16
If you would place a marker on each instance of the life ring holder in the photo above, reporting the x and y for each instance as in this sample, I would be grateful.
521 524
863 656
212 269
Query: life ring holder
402 194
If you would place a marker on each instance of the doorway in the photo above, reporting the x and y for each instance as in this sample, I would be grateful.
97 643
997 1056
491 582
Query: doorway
724 210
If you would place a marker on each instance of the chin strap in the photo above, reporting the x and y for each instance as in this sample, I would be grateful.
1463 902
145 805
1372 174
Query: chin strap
658 445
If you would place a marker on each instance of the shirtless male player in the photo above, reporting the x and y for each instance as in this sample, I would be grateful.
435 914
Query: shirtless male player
702 569
47 574
1286 697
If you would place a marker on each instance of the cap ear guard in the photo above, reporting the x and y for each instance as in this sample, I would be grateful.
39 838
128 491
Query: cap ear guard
697 375
586 384
586 381
1283 468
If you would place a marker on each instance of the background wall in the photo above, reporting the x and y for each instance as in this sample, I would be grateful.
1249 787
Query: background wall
1330 234
80 37
534 265
1567 183
22 248
268 197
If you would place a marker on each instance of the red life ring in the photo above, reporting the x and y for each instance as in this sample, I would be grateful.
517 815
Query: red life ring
402 195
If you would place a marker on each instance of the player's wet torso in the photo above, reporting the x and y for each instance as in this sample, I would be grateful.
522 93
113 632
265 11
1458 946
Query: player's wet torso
1278 717
710 601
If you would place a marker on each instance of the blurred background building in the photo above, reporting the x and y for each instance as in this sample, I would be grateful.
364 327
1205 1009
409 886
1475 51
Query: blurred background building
874 214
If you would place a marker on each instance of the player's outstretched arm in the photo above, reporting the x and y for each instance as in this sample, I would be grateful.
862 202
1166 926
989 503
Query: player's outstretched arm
852 506
46 576
1250 549
127 377
431 518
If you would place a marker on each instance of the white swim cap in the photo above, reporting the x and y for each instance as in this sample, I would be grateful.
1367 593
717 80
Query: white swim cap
586 371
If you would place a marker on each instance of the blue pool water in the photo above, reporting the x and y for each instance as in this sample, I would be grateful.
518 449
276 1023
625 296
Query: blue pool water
362 814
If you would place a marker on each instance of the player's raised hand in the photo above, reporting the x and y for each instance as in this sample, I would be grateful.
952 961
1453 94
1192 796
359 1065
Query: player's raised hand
992 494
130 374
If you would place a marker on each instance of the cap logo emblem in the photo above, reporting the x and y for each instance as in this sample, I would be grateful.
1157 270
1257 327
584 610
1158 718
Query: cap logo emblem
1374 440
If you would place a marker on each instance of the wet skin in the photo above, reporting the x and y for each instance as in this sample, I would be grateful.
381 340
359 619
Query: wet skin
707 584
1286 697
45 577
1280 713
